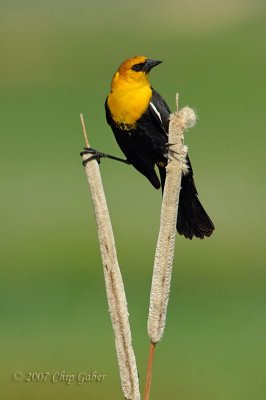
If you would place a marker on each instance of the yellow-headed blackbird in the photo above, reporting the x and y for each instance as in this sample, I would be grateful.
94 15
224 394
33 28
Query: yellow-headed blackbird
139 118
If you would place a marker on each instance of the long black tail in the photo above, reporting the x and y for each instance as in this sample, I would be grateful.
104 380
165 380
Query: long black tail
192 219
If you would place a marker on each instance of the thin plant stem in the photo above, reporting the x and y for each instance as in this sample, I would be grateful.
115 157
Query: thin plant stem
149 372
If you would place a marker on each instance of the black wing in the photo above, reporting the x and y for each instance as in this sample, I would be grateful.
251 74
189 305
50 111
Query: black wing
160 111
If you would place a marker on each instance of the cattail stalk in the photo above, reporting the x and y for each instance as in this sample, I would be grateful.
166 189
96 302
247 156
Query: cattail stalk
113 281
162 271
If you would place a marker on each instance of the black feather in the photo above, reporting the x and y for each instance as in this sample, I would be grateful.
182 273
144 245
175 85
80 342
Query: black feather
144 145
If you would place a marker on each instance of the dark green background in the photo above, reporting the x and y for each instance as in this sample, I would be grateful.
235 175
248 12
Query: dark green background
57 60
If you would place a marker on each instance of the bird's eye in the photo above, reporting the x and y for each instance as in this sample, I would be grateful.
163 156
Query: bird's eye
137 67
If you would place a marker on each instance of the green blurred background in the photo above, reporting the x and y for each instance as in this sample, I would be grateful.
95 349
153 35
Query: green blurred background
57 60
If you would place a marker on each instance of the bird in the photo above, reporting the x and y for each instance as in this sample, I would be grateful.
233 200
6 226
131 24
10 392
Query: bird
139 118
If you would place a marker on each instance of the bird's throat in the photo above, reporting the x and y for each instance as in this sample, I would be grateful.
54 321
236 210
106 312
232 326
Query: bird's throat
127 105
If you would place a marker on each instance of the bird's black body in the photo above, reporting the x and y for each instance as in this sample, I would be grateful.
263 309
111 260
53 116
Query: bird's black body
144 146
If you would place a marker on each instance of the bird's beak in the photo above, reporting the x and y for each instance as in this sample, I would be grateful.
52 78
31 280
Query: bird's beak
149 64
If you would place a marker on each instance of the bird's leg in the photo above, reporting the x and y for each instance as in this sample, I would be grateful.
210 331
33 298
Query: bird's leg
97 155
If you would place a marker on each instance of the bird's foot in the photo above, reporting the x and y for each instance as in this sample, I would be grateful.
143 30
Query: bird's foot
179 156
95 155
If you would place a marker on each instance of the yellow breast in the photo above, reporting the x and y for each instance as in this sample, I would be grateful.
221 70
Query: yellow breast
127 104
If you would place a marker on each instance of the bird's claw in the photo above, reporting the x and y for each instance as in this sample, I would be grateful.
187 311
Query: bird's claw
179 156
96 155
171 153
169 144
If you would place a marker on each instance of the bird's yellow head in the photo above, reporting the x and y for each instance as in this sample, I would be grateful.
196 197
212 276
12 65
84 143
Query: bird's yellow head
134 71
